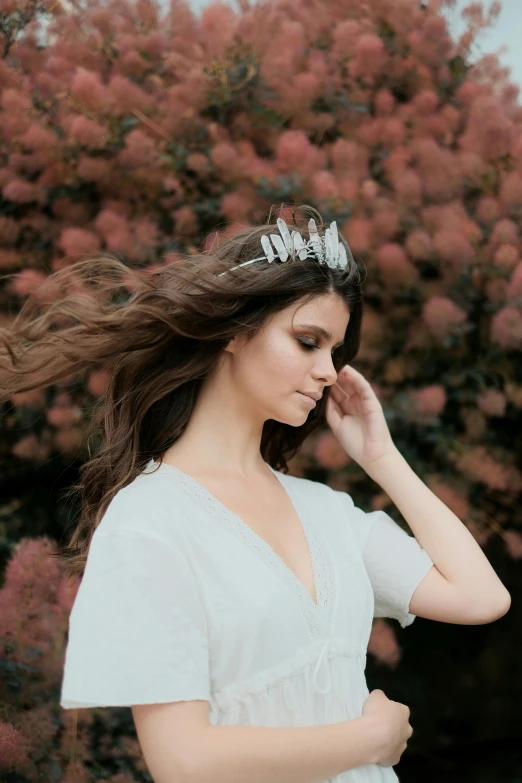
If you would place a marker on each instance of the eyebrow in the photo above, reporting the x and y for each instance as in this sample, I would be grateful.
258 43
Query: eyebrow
319 329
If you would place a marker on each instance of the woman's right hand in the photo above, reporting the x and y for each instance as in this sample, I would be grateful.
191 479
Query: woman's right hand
392 722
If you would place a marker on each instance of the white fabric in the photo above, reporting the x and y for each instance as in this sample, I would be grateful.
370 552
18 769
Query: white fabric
182 600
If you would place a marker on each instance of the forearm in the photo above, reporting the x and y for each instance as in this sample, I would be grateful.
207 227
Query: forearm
451 546
308 754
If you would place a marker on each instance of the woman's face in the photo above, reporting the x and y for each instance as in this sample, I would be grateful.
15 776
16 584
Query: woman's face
289 356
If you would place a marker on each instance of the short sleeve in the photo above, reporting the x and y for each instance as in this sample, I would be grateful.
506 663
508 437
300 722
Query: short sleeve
137 629
394 561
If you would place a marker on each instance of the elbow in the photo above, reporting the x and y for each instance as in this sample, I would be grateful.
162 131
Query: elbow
498 609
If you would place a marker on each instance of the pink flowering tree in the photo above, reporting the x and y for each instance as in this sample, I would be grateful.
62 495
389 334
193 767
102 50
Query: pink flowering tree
134 132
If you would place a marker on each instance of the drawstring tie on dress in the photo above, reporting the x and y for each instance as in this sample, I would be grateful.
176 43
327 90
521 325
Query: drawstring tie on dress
323 657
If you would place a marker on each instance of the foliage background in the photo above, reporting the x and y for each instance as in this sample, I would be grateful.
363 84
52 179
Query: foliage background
138 132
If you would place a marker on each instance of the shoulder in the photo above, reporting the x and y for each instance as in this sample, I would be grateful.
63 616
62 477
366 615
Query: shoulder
149 505
317 490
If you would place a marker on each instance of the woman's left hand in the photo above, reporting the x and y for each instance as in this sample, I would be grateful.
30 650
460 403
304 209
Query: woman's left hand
356 418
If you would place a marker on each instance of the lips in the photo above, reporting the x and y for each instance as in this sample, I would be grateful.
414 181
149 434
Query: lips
313 395
310 400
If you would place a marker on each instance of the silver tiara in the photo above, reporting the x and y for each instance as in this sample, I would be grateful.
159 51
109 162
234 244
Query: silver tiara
326 250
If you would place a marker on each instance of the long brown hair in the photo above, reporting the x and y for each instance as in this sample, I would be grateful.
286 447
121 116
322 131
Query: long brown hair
158 345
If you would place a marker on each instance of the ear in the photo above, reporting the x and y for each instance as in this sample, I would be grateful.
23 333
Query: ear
235 343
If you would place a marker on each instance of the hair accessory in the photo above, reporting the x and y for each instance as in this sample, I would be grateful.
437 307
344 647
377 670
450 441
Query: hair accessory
326 250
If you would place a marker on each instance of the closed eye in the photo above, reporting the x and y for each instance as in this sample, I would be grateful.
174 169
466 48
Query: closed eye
311 346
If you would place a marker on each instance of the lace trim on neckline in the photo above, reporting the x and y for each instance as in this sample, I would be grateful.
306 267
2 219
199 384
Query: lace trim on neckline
317 614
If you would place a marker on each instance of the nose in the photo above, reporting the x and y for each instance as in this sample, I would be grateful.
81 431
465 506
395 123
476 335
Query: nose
326 372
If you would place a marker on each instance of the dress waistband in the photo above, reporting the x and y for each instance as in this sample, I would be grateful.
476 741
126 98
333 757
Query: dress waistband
316 654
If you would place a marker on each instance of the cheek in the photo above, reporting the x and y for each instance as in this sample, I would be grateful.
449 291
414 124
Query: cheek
284 361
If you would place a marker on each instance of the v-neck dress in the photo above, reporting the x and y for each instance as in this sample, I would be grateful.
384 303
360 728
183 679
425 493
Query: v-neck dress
181 599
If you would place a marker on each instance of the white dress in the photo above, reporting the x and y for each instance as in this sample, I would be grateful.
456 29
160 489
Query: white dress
181 599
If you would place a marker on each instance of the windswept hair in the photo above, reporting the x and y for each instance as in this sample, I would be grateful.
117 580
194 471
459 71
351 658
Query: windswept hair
158 341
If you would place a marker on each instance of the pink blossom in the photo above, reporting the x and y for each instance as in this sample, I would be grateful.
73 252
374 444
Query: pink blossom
514 288
384 102
442 316
369 189
224 155
62 415
88 132
394 265
357 232
69 439
385 224
418 245
369 56
393 131
489 131
15 746
37 137
75 241
380 501
126 97
329 452
479 465
20 191
93 169
186 221
504 232
307 86
511 190
28 281
236 206
154 43
383 643
408 187
132 64
487 209
436 168
198 161
29 447
102 19
16 102
139 150
473 167
110 220
492 402
345 35
324 185
425 102
98 381
506 257
348 188
453 247
120 239
429 401
506 328
172 184
295 152
496 291
88 88
452 117
146 232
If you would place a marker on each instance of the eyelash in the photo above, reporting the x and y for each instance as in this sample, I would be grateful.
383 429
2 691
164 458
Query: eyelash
311 346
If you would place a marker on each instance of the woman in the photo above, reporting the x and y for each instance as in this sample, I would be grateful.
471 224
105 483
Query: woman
228 603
